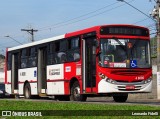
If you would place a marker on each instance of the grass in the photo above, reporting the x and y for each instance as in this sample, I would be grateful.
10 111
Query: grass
72 108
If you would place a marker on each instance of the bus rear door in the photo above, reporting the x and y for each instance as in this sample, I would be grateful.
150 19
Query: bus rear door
14 73
42 77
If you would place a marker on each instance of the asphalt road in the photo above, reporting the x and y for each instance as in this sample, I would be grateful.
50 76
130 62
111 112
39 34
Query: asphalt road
99 100
109 100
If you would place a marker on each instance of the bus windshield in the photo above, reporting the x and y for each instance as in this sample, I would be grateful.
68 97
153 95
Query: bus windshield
124 53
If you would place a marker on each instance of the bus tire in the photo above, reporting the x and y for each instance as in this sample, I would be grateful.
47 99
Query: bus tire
120 97
27 91
75 93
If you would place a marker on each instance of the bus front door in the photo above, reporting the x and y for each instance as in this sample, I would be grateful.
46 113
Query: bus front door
42 78
14 74
89 65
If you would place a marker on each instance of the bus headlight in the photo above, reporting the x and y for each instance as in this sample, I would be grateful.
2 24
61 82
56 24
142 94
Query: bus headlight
148 80
102 76
110 81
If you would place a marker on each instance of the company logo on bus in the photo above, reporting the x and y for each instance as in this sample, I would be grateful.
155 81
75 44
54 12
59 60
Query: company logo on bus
54 71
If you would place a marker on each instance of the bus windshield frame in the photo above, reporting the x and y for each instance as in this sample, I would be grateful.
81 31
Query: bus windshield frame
124 53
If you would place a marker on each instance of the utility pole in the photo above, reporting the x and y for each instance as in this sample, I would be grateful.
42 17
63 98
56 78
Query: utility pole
158 35
156 15
30 31
158 48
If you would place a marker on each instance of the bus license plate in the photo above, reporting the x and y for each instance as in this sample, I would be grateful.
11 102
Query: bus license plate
130 87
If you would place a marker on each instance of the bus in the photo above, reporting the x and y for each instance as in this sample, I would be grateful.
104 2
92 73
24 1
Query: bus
106 60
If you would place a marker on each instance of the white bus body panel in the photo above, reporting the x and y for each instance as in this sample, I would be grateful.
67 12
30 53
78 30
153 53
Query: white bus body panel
20 87
55 72
8 86
55 75
9 76
28 74
33 88
55 88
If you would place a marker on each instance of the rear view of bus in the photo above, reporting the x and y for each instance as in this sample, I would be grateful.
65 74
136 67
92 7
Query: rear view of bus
124 61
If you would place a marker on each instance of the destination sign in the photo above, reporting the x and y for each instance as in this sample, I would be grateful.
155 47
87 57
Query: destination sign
124 31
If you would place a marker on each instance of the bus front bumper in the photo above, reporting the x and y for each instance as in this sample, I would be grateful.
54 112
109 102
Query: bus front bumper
120 87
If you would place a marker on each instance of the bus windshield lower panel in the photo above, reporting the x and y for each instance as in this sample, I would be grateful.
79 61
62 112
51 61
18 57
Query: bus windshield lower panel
124 53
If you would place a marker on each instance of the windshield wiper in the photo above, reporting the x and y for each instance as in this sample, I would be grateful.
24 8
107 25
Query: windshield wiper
121 45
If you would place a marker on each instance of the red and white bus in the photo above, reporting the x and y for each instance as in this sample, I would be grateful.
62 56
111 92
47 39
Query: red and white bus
108 60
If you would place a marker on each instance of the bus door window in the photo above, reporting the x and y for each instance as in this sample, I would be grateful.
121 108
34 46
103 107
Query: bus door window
90 61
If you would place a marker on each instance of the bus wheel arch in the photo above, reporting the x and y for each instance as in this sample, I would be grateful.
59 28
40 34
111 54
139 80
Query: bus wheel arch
75 91
27 90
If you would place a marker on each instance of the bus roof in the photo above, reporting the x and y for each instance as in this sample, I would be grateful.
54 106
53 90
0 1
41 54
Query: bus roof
97 28
71 34
37 42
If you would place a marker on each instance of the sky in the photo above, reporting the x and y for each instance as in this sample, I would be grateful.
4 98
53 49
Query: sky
57 17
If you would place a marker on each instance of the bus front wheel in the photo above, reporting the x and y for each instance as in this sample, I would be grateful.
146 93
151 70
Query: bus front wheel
120 97
75 93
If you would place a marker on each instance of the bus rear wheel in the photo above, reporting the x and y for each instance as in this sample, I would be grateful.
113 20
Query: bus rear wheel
27 91
120 97
75 93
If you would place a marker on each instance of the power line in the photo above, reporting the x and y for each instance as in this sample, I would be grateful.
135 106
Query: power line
141 20
62 23
13 39
137 9
79 16
55 26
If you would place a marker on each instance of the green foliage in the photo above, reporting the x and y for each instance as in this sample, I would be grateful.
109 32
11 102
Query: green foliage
35 105
90 108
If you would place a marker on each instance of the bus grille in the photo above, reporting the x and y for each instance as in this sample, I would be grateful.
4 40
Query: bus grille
123 88
128 72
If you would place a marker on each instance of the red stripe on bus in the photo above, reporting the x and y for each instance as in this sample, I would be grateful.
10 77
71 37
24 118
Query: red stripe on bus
53 80
5 70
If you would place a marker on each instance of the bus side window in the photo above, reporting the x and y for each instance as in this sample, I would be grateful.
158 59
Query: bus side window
76 46
51 53
32 57
74 49
56 50
24 58
62 53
